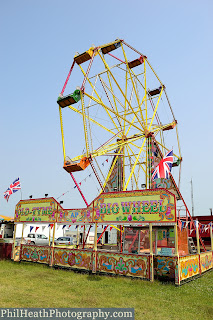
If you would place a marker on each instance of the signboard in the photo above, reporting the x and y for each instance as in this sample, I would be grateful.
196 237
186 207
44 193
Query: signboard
157 205
49 210
75 215
38 210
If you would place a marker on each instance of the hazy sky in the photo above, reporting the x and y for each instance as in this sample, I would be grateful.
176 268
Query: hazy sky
38 42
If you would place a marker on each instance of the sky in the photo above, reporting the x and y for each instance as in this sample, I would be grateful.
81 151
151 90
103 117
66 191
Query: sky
38 42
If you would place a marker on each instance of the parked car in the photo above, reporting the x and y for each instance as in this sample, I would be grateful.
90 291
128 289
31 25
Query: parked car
37 239
64 241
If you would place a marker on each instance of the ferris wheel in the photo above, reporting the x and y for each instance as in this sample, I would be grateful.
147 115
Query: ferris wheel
121 110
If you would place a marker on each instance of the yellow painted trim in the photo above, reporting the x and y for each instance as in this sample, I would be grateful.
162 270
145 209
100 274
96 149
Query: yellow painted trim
116 228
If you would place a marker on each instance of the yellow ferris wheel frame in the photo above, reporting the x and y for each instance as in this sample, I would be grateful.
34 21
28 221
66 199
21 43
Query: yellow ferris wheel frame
136 118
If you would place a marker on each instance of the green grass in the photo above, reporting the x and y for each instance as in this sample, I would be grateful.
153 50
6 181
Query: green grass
34 285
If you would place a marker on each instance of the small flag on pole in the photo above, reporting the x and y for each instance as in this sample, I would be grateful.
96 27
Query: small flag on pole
15 186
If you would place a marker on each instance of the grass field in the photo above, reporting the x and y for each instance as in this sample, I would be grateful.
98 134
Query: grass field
34 285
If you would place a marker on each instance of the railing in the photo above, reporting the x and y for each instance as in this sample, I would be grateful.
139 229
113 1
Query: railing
179 268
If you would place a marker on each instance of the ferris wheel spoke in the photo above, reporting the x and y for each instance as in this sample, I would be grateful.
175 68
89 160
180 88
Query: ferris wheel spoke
134 145
106 65
126 87
131 124
164 127
112 93
104 149
135 156
103 85
112 167
156 107
154 72
62 132
144 63
136 161
112 111
110 83
165 148
85 125
133 85
130 160
100 100
178 141
92 120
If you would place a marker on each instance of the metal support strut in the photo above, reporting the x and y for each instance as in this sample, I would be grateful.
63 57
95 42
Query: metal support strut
96 174
65 84
79 189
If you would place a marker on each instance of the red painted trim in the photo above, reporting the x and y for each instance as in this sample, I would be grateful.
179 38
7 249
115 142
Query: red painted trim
79 189
67 79
115 57
102 233
88 234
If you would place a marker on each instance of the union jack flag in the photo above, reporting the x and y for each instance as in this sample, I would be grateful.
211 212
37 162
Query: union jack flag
164 167
15 186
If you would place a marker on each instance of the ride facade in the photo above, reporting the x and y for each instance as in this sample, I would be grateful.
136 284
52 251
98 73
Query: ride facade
125 115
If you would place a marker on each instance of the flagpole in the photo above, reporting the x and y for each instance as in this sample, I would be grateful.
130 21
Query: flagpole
197 236
20 187
192 198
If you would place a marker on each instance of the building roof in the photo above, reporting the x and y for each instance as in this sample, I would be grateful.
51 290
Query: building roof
6 218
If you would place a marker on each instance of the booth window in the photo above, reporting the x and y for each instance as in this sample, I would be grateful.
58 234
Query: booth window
136 240
164 241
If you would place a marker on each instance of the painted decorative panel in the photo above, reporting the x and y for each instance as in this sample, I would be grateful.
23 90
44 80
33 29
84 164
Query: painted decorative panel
206 262
38 210
123 264
75 215
165 266
139 206
16 253
35 253
74 258
189 266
